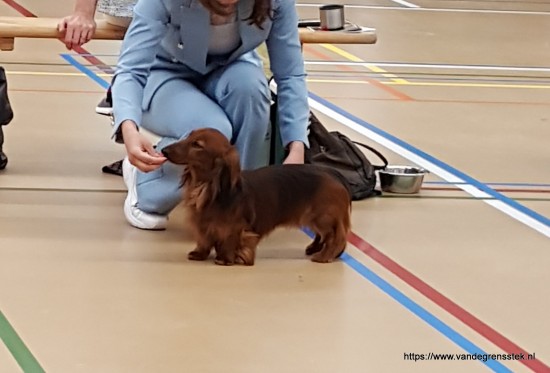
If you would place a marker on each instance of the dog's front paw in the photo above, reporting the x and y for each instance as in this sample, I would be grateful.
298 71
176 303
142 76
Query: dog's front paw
198 254
223 261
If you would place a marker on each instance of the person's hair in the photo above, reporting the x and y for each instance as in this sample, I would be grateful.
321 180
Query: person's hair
261 10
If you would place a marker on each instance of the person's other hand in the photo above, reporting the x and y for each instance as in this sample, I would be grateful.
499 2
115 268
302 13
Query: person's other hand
140 150
296 150
78 28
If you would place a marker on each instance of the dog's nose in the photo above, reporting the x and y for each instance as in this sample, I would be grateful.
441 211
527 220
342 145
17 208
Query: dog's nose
167 153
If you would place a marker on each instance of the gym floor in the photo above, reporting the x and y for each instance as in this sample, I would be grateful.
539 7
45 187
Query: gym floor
431 282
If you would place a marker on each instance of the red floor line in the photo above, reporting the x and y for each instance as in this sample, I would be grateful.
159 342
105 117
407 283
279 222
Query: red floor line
19 8
448 305
93 60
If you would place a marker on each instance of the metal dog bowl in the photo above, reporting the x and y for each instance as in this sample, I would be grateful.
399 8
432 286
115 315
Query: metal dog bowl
401 179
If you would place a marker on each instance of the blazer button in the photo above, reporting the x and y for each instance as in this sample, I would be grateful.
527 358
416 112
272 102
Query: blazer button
174 60
180 46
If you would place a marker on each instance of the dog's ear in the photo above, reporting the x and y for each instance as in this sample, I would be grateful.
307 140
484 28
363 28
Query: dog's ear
233 167
228 173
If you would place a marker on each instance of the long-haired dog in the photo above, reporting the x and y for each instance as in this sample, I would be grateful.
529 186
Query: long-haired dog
231 211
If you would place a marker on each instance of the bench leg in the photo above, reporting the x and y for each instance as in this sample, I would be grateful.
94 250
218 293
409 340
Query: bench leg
6 44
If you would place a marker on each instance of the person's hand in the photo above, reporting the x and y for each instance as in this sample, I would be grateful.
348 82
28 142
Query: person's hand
140 150
296 150
78 28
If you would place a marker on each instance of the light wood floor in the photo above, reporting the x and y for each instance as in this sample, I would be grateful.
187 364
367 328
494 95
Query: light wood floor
459 87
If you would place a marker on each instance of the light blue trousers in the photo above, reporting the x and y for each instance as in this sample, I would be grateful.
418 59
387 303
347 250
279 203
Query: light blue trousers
234 99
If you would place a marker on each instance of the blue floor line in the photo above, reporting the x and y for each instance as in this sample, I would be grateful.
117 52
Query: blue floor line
417 310
70 59
459 174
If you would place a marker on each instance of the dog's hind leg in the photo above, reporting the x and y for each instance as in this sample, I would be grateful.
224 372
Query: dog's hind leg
340 241
325 226
246 253
226 250
316 246
335 244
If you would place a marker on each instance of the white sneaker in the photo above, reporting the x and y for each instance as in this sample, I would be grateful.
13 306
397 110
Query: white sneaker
134 216
104 107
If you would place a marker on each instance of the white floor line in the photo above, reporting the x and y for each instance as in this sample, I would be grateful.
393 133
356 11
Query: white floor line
444 10
444 174
405 3
432 66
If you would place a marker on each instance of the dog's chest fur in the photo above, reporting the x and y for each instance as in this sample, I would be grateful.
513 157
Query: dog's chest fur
217 215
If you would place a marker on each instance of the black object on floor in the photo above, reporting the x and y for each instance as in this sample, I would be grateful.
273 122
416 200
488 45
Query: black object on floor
114 168
3 160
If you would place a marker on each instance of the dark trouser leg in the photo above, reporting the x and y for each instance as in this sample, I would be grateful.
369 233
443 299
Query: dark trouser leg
3 158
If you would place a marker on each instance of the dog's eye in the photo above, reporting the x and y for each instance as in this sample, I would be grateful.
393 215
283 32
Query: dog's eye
197 144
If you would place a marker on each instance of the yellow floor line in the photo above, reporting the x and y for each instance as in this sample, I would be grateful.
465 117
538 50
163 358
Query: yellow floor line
394 81
369 66
434 84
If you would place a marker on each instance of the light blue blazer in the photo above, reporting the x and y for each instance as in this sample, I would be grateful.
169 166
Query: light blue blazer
170 38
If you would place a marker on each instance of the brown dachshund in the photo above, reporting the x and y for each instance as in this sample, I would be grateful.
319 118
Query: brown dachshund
231 211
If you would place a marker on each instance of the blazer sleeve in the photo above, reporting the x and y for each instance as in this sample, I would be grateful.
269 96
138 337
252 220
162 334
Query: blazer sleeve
287 65
139 49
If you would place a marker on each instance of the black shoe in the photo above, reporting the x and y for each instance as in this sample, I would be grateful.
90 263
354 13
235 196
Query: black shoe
3 160
114 168
105 106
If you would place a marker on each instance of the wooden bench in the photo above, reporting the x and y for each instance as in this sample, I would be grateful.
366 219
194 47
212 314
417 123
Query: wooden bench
46 28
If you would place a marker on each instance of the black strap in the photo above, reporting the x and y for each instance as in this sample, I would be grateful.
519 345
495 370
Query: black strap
382 158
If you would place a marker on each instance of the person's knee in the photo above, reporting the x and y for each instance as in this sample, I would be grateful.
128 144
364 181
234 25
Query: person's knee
248 104
186 122
250 88
255 89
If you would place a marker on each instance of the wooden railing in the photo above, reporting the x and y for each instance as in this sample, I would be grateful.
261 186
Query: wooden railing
46 28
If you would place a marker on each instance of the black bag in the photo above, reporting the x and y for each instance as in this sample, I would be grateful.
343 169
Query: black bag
335 151
6 113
